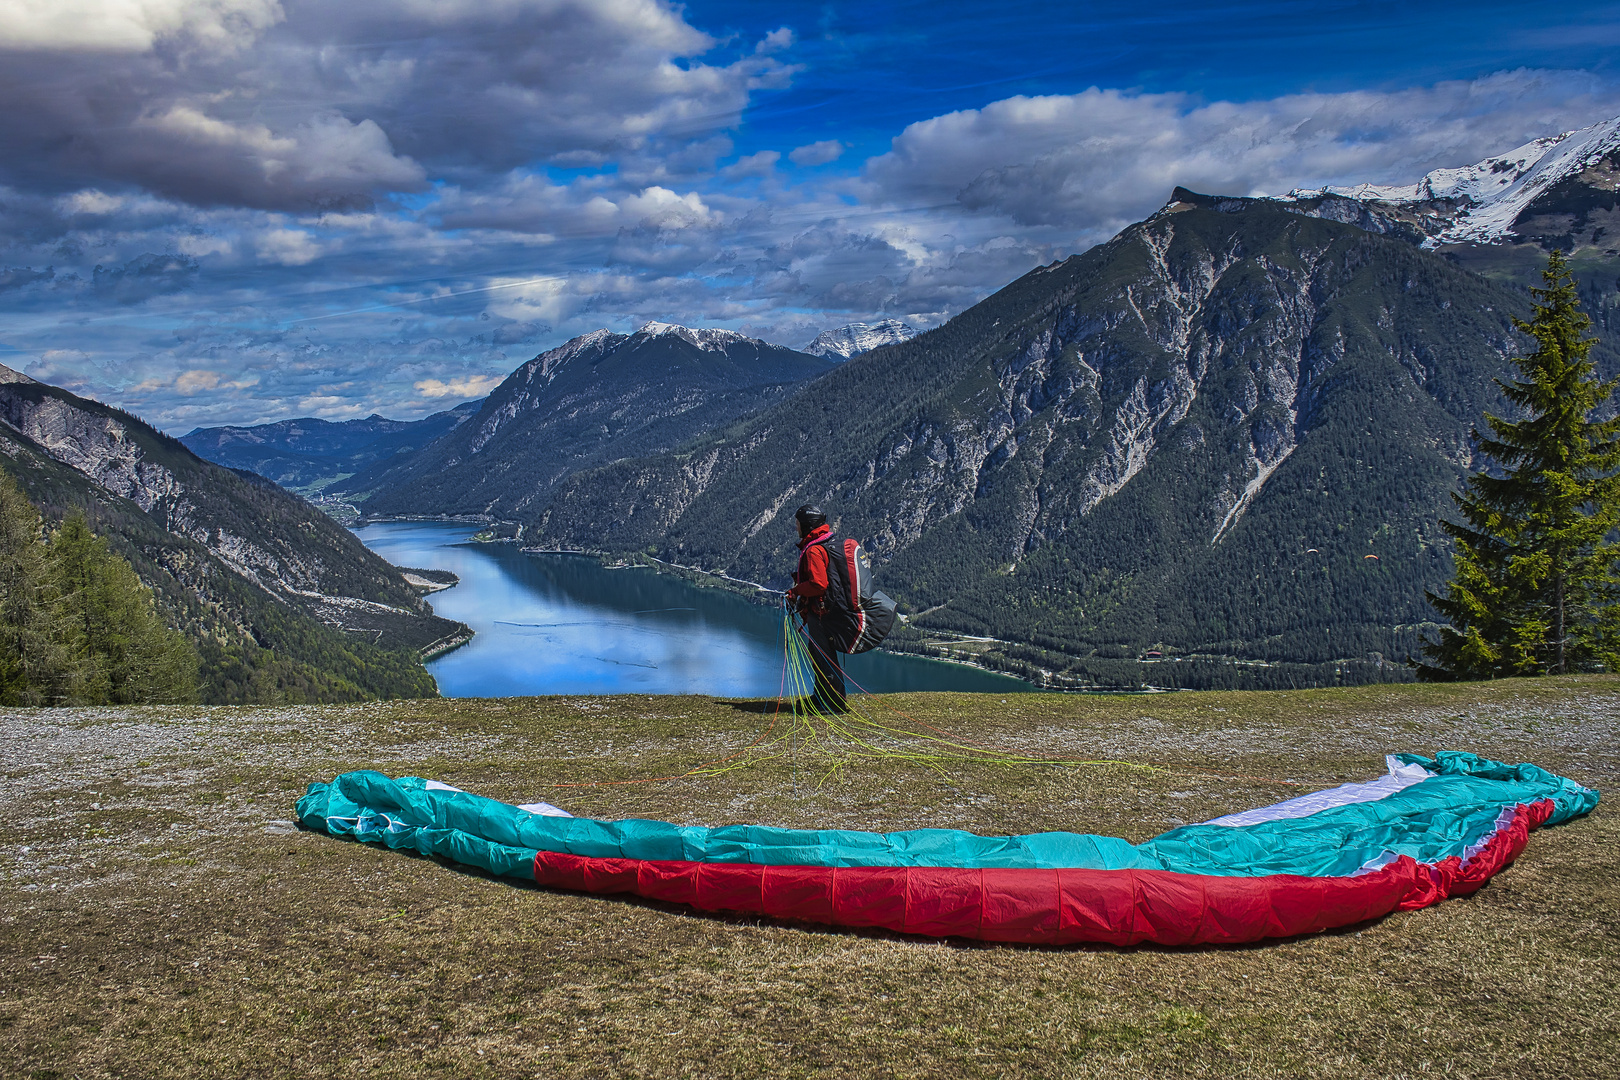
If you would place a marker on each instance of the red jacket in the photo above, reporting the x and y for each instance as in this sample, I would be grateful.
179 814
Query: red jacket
810 580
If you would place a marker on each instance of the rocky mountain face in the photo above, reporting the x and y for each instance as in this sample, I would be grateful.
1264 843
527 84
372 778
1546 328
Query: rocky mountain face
311 455
284 604
1230 431
857 338
600 397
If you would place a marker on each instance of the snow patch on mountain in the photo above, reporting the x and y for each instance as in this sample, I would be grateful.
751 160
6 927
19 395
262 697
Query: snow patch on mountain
856 338
1480 203
707 340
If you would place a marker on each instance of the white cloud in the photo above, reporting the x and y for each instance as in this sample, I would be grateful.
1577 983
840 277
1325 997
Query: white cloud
471 386
662 208
777 40
201 381
760 164
817 153
131 25
91 201
326 154
288 247
1099 159
336 104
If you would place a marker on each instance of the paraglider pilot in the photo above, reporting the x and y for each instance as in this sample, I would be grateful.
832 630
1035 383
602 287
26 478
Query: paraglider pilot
809 596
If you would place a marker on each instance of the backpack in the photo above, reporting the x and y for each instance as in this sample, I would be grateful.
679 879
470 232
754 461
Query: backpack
858 617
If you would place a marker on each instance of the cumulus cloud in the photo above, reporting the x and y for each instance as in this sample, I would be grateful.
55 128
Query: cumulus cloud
760 164
472 386
817 153
288 247
200 381
371 96
131 25
1099 159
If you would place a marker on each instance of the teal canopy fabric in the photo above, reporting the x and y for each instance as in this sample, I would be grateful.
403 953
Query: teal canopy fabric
1435 819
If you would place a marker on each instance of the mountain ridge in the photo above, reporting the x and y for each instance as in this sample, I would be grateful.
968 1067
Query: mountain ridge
595 398
1493 200
310 454
272 591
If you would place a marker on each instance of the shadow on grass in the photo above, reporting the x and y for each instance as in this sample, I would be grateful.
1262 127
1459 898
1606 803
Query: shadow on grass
759 705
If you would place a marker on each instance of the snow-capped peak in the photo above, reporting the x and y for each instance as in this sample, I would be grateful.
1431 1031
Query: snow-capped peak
543 368
711 340
1480 203
856 338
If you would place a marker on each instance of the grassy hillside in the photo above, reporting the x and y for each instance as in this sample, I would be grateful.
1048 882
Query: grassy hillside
162 917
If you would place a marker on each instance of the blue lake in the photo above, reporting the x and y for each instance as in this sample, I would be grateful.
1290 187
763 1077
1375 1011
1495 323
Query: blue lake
565 624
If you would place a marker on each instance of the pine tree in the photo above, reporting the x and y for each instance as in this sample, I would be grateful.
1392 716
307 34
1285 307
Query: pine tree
124 653
1536 561
35 667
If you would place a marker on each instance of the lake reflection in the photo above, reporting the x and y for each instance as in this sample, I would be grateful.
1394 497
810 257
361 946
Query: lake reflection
565 624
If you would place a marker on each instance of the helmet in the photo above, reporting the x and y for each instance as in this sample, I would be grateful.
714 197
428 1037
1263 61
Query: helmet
809 516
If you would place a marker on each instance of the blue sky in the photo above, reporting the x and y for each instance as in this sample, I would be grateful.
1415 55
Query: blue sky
230 211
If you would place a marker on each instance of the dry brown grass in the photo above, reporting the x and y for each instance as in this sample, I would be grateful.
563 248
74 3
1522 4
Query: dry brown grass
161 916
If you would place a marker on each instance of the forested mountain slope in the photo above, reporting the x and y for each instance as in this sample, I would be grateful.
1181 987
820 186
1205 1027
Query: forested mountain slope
313 455
1192 436
600 397
283 604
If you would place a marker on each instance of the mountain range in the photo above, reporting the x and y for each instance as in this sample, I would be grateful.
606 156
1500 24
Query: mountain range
598 398
1500 216
1189 439
310 455
283 604
1227 436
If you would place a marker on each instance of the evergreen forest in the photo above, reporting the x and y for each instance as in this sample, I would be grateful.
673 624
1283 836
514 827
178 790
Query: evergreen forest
77 627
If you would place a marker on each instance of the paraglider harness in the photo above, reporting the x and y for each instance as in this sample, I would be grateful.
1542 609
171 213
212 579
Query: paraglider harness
856 616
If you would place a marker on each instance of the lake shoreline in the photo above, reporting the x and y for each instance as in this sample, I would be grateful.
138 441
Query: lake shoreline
550 621
942 647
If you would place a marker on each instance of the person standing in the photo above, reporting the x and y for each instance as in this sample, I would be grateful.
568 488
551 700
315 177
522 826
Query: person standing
809 595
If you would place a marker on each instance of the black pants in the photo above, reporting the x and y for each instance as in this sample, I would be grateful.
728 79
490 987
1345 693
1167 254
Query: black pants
829 668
